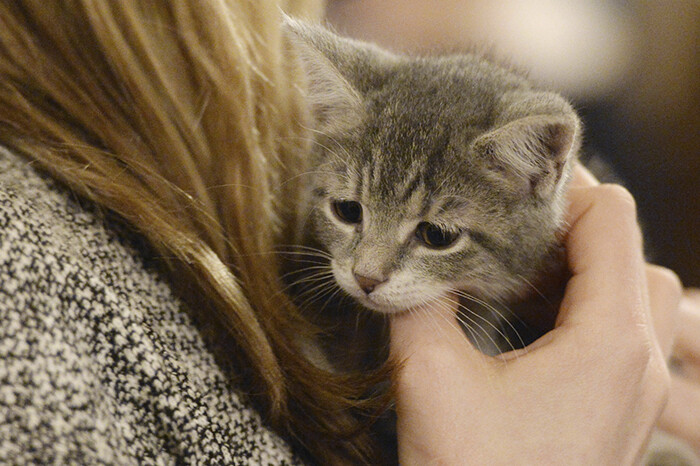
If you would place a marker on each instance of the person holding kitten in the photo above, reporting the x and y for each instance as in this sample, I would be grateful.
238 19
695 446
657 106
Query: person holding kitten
149 154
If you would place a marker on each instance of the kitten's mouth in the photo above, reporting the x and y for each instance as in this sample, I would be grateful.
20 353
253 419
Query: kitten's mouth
381 307
379 303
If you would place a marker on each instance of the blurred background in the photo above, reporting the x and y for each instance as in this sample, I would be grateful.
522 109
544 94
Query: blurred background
631 67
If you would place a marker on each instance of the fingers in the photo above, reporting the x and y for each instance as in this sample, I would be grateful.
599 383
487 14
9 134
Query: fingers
591 207
665 292
687 344
682 411
604 249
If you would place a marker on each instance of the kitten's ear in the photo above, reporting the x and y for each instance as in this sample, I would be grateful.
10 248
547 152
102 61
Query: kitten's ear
334 102
532 154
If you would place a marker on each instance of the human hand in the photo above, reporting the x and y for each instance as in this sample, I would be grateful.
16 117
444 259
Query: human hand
587 392
682 414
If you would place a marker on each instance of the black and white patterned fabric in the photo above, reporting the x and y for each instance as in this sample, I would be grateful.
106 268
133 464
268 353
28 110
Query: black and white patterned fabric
100 363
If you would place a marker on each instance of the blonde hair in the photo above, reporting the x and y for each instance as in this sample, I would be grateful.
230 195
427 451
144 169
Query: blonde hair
186 119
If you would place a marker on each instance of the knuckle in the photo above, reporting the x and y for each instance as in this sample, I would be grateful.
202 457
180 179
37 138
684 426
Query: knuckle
660 380
621 206
659 371
645 357
638 352
619 195
668 278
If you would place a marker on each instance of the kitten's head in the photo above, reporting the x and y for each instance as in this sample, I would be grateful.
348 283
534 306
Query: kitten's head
432 174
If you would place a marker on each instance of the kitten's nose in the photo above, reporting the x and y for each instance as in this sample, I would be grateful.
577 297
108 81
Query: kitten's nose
368 284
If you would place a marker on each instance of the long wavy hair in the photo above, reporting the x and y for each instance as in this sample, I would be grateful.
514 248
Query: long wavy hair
187 120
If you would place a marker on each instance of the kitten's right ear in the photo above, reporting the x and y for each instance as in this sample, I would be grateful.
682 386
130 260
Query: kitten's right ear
532 148
334 102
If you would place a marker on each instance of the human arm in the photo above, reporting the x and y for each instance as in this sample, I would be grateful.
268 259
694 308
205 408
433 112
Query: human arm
588 392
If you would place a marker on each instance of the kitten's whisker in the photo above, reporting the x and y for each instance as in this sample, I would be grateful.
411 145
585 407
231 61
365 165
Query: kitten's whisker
345 298
358 316
305 282
306 264
302 282
276 252
324 294
552 307
498 313
439 187
460 326
318 171
510 316
301 249
338 157
443 300
299 175
315 142
314 278
424 308
317 293
483 330
475 341
309 268
257 254
433 318
513 316
331 297
300 258
473 335
291 279
328 136
311 265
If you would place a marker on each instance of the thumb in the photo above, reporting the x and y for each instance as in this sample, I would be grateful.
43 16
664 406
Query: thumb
439 375
429 337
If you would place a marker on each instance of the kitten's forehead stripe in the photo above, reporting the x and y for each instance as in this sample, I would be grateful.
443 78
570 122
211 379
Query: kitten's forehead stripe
405 153
426 206
411 185
376 173
417 202
362 186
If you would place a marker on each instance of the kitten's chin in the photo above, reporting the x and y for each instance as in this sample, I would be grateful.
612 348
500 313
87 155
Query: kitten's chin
390 305
381 308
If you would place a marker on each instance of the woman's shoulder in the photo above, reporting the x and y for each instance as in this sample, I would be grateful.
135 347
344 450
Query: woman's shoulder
101 360
58 247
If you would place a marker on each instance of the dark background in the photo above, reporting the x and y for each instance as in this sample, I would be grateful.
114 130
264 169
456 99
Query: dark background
649 130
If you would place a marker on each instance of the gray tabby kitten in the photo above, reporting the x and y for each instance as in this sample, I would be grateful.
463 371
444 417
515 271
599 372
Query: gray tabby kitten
432 175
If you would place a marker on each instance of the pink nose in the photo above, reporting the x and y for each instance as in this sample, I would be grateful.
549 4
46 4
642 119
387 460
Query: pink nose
368 284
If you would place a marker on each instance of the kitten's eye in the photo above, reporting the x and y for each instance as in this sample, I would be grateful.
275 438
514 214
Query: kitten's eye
435 237
347 211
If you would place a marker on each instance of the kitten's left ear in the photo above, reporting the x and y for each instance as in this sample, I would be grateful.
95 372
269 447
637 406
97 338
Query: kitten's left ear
532 152
333 100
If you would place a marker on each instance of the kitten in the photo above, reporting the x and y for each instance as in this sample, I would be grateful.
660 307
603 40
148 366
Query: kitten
432 175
